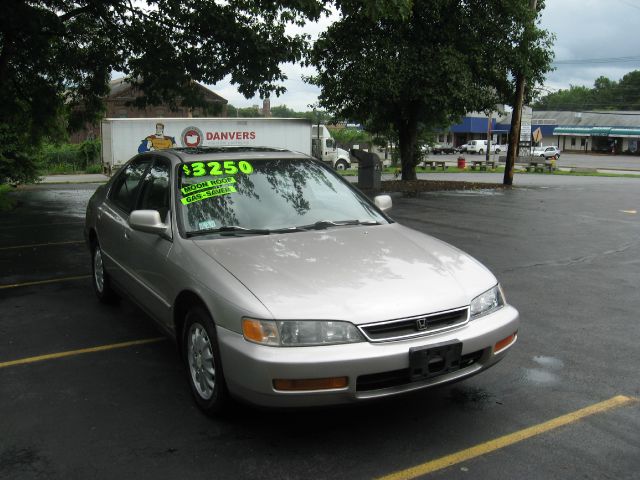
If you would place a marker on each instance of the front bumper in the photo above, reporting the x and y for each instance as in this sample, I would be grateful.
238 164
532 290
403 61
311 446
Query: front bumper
374 370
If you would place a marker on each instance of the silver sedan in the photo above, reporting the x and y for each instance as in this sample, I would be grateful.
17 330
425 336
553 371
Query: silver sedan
285 286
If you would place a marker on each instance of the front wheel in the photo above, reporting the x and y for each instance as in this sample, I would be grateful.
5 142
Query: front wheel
341 165
481 152
203 363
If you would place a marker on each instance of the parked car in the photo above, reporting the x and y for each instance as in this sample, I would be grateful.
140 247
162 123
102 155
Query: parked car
439 148
284 285
496 148
546 152
463 148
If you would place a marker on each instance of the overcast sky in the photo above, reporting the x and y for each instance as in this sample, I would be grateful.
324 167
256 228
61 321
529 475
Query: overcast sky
593 38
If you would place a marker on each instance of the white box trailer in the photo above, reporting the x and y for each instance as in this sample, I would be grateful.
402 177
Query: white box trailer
122 138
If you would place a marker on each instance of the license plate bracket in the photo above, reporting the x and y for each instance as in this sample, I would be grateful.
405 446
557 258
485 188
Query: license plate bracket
434 360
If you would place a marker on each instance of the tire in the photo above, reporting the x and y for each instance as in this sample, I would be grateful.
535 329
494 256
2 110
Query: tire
481 152
100 278
341 165
203 363
542 156
498 150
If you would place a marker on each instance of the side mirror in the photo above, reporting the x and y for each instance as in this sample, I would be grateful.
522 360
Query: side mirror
147 221
383 202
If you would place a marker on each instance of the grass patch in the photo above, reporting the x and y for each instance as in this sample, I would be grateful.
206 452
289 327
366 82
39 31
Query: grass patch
95 168
7 202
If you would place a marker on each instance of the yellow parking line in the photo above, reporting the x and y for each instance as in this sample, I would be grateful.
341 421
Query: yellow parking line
43 282
71 353
36 245
501 442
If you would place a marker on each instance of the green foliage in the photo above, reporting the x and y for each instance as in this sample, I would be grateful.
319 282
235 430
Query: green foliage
56 58
417 72
282 111
6 201
605 95
70 158
243 112
347 137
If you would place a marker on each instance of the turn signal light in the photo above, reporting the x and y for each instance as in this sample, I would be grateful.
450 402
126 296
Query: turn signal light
289 385
505 342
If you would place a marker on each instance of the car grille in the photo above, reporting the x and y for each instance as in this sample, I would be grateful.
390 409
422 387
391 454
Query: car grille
397 378
415 326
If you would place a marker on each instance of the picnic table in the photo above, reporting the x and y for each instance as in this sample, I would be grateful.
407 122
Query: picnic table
540 165
483 164
434 164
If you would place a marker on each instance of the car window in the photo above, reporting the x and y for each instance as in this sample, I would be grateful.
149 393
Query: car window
155 188
125 188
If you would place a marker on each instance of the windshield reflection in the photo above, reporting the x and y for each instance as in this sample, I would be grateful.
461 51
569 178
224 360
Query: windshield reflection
276 194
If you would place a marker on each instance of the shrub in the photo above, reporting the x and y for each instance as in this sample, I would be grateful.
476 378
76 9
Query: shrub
69 158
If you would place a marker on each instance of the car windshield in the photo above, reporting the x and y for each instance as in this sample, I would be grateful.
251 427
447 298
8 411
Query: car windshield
267 196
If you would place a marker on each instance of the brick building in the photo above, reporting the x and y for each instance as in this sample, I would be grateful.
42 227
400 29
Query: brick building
122 93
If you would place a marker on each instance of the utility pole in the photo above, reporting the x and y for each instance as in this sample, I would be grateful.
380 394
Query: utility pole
516 117
488 155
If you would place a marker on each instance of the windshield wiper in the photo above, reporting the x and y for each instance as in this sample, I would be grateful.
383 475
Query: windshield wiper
324 224
230 230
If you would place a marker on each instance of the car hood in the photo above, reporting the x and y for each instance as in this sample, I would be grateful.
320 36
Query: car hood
361 274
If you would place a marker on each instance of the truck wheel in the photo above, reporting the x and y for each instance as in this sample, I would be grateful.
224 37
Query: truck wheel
481 151
203 362
341 165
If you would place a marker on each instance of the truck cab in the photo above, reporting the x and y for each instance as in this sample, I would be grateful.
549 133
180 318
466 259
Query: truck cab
323 147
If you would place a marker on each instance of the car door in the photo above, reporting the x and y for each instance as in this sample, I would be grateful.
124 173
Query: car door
113 216
147 253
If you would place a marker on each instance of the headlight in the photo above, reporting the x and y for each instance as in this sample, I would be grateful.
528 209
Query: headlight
487 302
292 333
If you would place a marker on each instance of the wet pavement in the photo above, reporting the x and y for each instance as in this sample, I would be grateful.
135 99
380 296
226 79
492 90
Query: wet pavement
567 253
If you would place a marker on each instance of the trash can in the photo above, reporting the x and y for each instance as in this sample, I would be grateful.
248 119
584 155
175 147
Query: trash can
369 169
462 163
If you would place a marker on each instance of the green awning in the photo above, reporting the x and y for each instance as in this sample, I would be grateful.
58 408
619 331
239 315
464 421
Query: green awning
597 131
625 132
574 131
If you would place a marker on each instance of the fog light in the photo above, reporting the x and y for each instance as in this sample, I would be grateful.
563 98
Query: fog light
505 342
290 385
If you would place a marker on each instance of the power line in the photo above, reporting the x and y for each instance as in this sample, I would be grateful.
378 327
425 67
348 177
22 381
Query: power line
587 61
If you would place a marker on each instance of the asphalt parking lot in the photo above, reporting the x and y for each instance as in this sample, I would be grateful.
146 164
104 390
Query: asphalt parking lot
88 391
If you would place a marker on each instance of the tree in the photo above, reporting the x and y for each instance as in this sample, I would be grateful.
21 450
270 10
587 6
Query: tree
423 68
56 58
606 94
347 137
573 98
